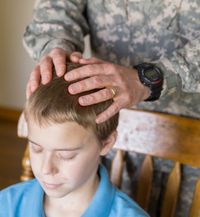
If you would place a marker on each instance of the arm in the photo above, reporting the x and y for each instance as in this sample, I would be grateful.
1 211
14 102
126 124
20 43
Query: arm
183 67
56 24
57 29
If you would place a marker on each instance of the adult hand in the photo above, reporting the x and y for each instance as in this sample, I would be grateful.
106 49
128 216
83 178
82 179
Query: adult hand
118 82
42 73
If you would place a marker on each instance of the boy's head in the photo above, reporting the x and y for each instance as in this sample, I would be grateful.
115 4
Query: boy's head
65 141
52 104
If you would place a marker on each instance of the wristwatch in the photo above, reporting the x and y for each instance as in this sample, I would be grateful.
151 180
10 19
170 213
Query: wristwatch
151 76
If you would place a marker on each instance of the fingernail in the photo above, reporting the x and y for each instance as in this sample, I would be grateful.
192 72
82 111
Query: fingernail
60 71
71 90
98 121
75 58
82 101
68 76
82 60
33 87
45 80
59 74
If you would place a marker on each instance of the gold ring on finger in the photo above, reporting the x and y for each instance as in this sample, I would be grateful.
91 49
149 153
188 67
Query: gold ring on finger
113 91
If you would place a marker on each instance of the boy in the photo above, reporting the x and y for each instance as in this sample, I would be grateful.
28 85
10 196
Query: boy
65 146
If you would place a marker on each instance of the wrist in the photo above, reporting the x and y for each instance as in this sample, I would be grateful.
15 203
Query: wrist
61 44
151 77
144 91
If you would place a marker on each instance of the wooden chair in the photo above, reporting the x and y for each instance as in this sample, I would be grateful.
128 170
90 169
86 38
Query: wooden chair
154 134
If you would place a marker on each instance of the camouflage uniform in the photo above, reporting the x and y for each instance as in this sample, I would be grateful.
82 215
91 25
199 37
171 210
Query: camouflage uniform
128 32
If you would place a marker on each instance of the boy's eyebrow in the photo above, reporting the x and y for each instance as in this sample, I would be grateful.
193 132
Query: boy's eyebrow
59 149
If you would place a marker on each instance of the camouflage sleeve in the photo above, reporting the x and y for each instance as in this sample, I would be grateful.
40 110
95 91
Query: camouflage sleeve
56 24
183 67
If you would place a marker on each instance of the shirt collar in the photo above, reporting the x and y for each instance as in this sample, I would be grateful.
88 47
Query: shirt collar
101 203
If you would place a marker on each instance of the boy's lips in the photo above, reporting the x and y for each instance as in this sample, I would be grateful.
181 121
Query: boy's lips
51 186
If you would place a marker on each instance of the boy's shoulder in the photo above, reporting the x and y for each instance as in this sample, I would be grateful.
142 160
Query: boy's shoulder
19 198
18 189
124 204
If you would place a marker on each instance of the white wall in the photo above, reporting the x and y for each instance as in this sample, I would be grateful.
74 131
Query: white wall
15 64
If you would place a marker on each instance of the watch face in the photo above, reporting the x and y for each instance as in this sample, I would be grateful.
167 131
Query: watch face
152 75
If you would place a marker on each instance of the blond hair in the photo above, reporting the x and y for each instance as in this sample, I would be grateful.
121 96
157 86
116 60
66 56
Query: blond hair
52 103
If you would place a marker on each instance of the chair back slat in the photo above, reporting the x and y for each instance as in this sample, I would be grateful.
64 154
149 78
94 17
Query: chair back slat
145 183
195 208
171 192
117 168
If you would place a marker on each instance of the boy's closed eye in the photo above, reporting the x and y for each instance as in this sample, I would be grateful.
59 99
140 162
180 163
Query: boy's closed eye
65 155
35 148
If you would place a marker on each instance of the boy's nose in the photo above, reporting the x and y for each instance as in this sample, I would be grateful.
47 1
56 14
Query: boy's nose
49 166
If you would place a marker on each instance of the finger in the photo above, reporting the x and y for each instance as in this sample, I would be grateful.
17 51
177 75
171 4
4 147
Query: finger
34 80
108 113
46 68
86 71
90 83
75 57
97 97
59 61
91 60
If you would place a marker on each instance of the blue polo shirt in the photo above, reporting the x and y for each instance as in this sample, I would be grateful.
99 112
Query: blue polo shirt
26 200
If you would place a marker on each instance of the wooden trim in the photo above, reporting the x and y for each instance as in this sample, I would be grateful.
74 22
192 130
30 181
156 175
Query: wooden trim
117 168
145 183
146 133
195 208
9 114
171 193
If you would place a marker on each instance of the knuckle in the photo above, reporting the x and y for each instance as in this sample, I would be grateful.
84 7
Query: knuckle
46 65
58 59
127 101
90 69
125 87
91 98
60 65
105 115
97 80
109 67
128 98
119 78
81 85
116 108
75 75
45 59
106 93
77 54
33 75
55 51
45 69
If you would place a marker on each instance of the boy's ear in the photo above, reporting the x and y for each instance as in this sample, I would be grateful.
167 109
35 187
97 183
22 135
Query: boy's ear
108 143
